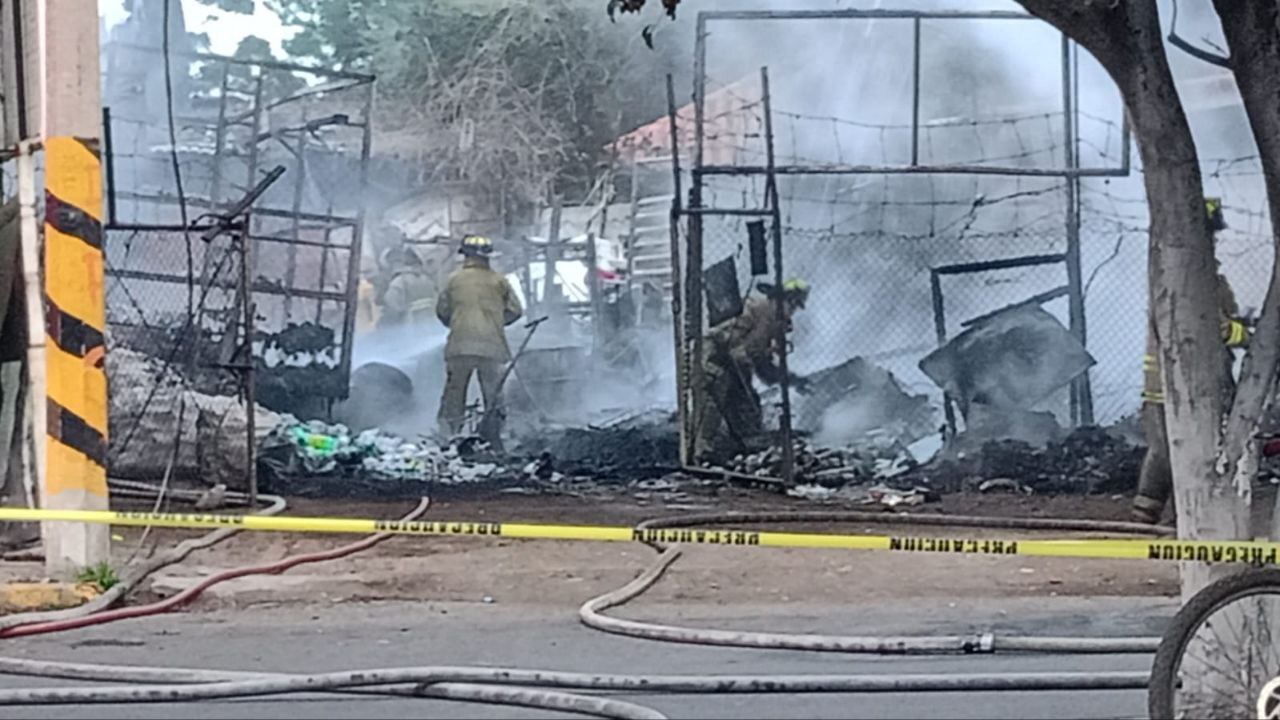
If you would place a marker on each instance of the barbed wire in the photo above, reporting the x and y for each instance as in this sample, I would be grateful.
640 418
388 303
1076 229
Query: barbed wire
834 222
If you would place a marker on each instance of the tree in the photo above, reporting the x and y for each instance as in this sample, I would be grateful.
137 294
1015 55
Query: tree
516 96
1211 436
277 84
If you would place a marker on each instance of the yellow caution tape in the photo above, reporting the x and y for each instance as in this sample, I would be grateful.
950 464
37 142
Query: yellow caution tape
1257 553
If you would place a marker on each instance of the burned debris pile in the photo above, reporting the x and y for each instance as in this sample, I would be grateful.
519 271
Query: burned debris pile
1087 460
873 459
316 459
646 445
862 439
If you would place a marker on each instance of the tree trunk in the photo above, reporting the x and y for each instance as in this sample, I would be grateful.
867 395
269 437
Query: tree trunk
1126 39
1252 30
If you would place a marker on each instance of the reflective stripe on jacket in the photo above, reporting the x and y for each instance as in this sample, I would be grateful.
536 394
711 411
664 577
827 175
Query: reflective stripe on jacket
1234 334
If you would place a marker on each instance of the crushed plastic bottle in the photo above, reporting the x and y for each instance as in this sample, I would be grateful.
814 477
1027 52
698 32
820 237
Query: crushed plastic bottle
314 442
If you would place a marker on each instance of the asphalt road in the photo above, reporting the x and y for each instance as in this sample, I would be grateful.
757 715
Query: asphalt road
330 637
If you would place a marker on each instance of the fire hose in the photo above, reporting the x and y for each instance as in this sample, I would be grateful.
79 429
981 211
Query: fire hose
192 592
133 576
591 612
197 684
488 685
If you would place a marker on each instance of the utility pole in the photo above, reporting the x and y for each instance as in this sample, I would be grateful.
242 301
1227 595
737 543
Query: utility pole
75 475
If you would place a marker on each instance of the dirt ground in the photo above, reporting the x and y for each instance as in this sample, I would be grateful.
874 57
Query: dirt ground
558 572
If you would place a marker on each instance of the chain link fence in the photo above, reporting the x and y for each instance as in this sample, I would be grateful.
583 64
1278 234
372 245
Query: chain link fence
917 204
871 291
175 284
899 264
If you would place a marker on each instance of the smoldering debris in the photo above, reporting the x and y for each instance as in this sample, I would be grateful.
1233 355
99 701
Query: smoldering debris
636 446
1011 359
1087 460
986 424
298 367
879 456
863 494
379 392
845 402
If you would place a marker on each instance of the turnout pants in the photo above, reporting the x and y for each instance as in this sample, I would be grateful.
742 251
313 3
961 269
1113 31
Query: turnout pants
1155 479
732 403
458 372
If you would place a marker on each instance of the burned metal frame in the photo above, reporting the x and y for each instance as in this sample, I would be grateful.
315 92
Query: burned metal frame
690 389
691 343
677 304
940 314
290 238
917 17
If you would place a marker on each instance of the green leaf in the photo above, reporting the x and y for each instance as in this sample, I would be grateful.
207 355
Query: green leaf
241 7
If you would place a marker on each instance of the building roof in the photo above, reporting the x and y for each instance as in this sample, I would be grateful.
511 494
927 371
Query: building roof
731 114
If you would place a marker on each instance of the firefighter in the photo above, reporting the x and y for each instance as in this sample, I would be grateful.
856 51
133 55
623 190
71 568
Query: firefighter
1155 480
476 304
410 295
735 351
366 305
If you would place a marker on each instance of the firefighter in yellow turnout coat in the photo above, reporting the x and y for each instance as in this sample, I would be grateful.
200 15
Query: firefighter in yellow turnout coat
476 304
735 351
1155 480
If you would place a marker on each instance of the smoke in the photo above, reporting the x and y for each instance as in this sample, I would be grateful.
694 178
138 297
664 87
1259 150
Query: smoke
849 419
842 93
991 93
867 242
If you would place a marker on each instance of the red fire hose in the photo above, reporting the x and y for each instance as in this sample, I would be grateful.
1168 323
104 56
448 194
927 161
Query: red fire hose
192 592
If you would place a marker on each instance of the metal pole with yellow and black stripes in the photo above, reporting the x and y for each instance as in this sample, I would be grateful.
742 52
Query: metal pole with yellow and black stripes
75 475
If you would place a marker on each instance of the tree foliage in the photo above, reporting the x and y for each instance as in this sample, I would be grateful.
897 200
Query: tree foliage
241 79
525 95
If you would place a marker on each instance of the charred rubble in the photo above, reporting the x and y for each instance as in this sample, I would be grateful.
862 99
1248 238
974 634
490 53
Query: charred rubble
1087 460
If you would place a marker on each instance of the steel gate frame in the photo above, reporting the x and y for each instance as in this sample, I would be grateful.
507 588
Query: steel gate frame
687 312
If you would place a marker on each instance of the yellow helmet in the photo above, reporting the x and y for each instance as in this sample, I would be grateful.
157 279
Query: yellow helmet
797 290
794 289
1213 213
476 246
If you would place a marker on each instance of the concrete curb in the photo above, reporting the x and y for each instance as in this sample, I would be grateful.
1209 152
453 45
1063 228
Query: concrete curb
20 597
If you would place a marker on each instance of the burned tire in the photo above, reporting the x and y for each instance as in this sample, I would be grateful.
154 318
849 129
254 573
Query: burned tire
1241 648
379 392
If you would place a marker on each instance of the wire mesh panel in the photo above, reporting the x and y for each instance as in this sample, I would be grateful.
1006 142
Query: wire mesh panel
916 211
1114 236
149 311
235 120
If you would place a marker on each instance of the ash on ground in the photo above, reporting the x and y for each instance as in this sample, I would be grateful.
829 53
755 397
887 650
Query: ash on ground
634 446
1087 460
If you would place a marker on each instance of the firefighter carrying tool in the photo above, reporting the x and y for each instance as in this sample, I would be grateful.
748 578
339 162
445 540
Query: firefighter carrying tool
1155 480
737 349
476 304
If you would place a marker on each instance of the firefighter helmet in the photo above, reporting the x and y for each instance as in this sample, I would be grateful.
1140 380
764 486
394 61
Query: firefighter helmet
1213 213
476 246
794 289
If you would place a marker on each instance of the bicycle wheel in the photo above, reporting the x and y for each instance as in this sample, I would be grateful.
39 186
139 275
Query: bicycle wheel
1218 657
